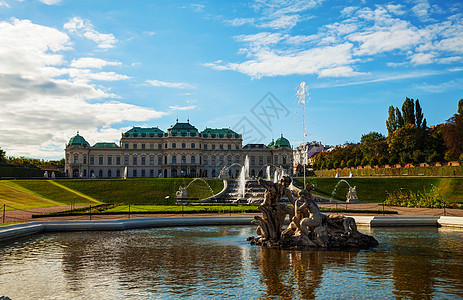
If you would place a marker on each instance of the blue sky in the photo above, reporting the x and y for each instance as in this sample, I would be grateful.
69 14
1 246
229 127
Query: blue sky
101 67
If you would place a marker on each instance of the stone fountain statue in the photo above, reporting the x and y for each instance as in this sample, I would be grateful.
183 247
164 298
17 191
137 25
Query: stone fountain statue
352 195
309 228
181 193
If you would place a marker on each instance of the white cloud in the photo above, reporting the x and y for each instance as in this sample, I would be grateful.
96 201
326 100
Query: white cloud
422 9
312 61
43 101
441 87
240 21
175 85
197 7
85 28
50 2
177 107
422 58
92 62
359 35
282 22
3 3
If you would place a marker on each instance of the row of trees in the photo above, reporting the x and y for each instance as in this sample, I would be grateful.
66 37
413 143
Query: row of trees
29 162
409 140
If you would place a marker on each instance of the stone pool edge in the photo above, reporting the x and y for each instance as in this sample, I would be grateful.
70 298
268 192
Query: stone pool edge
13 232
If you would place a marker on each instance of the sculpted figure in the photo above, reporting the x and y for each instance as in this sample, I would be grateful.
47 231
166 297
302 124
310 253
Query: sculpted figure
275 191
274 214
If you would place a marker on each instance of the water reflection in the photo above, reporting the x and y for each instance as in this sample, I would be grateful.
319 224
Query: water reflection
297 274
216 262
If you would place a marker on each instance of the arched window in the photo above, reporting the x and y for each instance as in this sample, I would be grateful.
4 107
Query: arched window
100 173
193 159
109 173
183 159
174 159
118 173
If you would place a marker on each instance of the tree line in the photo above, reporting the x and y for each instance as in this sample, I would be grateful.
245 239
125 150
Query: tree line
409 140
29 162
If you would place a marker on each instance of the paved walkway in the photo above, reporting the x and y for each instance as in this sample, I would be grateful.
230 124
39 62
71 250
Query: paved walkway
26 214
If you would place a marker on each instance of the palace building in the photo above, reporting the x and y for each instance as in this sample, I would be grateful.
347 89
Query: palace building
182 151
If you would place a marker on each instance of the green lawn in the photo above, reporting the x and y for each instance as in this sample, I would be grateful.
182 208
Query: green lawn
376 189
145 191
48 190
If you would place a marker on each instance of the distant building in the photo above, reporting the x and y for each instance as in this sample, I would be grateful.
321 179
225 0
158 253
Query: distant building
182 151
303 154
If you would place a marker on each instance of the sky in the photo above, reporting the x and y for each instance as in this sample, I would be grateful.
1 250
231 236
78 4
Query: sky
102 67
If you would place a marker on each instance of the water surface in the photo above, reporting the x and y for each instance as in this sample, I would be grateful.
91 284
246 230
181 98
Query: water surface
216 262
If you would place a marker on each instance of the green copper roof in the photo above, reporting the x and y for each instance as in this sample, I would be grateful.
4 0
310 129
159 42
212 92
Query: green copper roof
282 142
78 141
271 144
220 133
182 129
144 132
105 145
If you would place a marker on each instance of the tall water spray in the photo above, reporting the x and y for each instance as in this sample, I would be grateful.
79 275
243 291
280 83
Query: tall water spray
125 173
244 175
303 94
267 171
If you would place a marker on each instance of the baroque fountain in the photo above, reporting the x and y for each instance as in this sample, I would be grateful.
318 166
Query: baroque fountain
309 227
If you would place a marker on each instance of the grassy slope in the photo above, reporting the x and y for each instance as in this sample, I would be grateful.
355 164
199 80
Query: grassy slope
17 197
141 191
376 189
48 190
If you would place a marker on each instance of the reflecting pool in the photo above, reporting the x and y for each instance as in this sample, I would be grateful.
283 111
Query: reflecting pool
216 262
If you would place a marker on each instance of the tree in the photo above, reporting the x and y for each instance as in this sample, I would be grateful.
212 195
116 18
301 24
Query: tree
2 155
418 114
400 119
453 135
460 107
391 122
408 111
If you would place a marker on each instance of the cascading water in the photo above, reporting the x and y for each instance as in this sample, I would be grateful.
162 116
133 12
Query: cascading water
336 187
268 173
125 173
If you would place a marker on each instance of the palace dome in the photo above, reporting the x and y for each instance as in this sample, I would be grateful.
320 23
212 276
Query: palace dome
282 142
78 141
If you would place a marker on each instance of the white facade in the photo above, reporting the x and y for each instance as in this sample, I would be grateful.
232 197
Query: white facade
182 151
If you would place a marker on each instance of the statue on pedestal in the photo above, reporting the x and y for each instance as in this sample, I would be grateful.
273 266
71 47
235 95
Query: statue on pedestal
309 227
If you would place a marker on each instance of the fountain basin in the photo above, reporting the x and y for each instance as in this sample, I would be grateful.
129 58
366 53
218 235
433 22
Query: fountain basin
214 262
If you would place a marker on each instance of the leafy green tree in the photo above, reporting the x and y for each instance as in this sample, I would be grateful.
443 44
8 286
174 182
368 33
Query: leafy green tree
391 123
453 136
460 107
418 114
2 155
400 119
408 111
